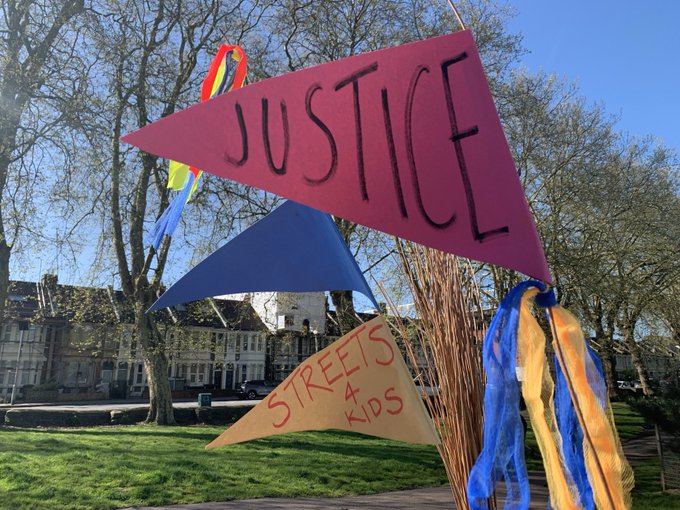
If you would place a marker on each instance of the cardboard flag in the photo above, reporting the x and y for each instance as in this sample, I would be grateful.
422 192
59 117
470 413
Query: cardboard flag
405 140
358 383
293 249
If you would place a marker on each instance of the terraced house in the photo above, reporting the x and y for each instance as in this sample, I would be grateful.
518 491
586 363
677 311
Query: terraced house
78 342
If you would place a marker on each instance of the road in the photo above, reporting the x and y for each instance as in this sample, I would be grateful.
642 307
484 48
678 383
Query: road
112 405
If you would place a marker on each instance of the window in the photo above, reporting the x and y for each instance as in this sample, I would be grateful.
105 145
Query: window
2 378
245 343
7 332
181 371
140 374
259 343
244 373
288 321
193 373
253 340
238 343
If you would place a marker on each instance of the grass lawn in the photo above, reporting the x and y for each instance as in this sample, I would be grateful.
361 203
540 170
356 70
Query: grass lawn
647 493
113 467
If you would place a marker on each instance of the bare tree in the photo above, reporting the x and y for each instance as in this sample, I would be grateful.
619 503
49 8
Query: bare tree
39 81
152 56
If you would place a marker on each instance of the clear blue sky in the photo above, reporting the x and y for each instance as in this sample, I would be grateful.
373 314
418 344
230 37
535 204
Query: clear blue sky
622 53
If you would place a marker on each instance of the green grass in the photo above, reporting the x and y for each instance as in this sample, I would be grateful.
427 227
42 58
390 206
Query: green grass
113 467
629 423
647 493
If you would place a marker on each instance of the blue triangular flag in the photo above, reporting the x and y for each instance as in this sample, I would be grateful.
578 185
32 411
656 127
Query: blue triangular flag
293 249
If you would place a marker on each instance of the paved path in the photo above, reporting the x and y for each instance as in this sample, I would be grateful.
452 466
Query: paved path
433 498
426 499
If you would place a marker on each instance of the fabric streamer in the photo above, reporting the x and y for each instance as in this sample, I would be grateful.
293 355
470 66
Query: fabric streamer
537 390
572 439
609 474
572 421
184 178
502 456
167 223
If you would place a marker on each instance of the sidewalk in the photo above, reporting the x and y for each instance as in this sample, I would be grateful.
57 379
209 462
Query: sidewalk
431 498
426 499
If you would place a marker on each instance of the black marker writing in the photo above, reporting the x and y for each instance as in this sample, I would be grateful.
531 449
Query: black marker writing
409 150
281 170
456 137
244 140
331 140
354 80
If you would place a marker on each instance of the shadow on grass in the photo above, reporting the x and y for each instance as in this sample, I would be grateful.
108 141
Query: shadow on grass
54 441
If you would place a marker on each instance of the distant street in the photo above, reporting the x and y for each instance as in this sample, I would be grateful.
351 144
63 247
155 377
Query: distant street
111 405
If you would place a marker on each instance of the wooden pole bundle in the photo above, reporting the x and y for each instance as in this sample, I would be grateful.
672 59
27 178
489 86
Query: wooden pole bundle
446 352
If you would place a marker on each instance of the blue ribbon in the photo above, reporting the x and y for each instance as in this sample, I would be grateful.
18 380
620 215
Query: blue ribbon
502 457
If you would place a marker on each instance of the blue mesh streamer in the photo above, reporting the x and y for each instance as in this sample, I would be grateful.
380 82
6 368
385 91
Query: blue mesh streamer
570 429
167 223
502 457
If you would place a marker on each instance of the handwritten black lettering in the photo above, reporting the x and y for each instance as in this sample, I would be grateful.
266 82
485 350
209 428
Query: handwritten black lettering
456 137
281 170
409 150
244 140
354 80
393 153
331 140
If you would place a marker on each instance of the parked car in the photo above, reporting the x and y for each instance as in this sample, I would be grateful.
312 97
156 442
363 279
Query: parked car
629 385
256 389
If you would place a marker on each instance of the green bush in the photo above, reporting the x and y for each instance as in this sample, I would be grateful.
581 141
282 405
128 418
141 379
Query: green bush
663 409
48 386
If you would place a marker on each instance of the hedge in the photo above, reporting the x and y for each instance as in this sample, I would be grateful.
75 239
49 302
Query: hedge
51 418
86 418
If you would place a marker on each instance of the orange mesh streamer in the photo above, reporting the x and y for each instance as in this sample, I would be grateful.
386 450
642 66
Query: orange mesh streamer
609 474
537 390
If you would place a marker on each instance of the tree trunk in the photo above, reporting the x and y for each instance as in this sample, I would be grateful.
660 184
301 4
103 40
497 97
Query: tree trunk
608 363
638 363
5 253
160 398
344 310
156 366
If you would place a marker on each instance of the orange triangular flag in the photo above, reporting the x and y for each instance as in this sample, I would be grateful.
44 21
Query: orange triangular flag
358 383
